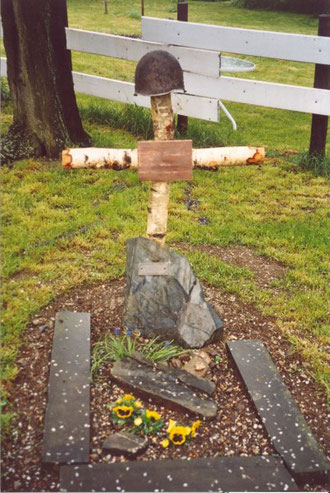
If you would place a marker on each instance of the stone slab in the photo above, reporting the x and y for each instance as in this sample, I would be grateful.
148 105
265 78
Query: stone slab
67 421
125 443
281 417
163 383
218 474
192 381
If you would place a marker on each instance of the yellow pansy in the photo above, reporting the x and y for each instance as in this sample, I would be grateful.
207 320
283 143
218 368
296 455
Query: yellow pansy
123 412
171 424
128 397
138 404
188 430
178 434
153 414
138 421
194 426
165 443
119 401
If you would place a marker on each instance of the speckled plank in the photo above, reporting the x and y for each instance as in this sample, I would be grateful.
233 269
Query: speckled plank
257 473
67 421
281 417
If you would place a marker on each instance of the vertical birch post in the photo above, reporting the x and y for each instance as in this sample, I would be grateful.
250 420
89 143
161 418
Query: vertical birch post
157 74
163 124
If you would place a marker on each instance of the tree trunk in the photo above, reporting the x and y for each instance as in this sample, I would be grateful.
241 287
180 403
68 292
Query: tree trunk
163 123
46 117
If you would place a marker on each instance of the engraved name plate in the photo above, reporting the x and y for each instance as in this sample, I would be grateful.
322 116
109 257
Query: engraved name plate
153 269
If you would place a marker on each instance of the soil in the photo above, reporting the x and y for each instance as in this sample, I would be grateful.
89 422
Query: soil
237 430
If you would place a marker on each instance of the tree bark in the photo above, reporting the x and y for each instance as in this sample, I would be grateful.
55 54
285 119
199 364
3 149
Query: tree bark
118 159
46 117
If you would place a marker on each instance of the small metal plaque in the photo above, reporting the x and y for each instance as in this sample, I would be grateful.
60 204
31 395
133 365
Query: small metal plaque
169 160
153 269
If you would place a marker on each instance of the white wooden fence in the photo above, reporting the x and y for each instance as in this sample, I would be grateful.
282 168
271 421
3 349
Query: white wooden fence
197 47
297 47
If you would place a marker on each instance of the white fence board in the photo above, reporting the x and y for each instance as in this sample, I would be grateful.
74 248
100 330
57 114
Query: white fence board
3 67
286 46
281 96
204 108
192 60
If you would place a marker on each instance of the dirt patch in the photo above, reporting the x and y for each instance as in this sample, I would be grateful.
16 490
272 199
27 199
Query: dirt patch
237 430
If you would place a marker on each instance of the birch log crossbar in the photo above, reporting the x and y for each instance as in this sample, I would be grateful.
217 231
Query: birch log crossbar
118 159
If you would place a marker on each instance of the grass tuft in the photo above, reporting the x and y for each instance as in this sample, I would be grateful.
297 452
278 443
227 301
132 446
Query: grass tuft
114 347
317 164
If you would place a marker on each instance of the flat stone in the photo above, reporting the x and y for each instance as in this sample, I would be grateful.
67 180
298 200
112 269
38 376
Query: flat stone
125 443
193 381
257 473
169 306
176 386
281 417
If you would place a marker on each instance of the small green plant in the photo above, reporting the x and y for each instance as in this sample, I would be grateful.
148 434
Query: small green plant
173 6
317 164
118 345
148 423
134 14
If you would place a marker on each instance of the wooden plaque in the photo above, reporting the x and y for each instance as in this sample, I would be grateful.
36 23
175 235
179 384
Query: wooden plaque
169 160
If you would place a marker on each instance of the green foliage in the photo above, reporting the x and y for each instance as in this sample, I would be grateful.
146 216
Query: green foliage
134 14
5 91
127 412
318 165
300 6
113 347
149 424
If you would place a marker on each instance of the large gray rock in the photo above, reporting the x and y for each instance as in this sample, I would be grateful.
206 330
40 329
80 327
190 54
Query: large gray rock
169 306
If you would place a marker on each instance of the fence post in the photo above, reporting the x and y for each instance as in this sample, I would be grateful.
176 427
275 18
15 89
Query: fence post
182 15
321 81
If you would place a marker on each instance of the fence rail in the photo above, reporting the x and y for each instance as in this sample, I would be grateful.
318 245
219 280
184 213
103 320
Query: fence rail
199 107
286 46
303 48
197 47
281 96
191 60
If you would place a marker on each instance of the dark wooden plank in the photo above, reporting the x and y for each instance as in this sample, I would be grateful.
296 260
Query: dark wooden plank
182 15
218 474
282 419
319 128
169 160
67 422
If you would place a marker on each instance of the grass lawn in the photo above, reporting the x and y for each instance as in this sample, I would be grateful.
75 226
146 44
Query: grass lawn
62 228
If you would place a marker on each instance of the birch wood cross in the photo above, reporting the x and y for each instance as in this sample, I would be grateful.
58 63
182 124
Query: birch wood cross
158 73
